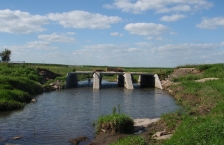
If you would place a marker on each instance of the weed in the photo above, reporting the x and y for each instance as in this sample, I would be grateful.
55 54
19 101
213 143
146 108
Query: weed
130 140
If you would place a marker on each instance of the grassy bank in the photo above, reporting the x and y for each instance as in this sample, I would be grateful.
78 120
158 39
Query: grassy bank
17 84
202 121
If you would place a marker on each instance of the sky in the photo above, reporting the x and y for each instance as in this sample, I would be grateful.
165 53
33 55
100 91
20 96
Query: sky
129 33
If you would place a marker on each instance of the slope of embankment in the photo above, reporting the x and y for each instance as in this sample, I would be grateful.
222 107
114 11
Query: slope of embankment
199 89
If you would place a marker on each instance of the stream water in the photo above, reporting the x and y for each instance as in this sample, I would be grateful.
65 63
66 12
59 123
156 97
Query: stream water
61 115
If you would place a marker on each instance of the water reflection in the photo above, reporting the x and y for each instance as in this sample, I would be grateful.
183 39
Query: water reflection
61 115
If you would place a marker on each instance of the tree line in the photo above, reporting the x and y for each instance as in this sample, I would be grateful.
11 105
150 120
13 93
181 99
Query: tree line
5 55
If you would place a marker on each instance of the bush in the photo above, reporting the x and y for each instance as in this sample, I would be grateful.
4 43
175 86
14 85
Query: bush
115 123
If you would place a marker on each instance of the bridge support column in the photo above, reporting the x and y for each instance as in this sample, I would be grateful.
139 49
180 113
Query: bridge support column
120 80
157 82
71 80
97 78
128 81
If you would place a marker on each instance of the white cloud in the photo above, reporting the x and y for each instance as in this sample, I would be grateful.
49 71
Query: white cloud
21 22
56 38
172 48
134 49
116 34
144 44
70 33
40 45
177 8
172 18
83 19
211 23
159 6
165 55
146 29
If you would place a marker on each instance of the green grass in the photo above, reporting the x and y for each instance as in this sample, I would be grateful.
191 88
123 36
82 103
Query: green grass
130 140
17 84
202 121
115 122
199 131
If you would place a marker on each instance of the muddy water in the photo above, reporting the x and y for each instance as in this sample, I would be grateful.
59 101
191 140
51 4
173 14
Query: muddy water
61 115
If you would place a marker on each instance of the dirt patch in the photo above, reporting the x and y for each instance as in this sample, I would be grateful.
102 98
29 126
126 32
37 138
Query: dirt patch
184 71
107 138
47 74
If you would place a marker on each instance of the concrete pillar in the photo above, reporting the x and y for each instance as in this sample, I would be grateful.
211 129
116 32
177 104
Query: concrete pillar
128 81
157 82
120 80
71 80
97 78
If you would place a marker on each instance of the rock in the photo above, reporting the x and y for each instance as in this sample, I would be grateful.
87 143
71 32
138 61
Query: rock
17 137
162 135
145 122
51 84
33 101
170 91
77 140
139 132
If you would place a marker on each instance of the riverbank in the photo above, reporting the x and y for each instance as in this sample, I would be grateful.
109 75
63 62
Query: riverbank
17 86
199 89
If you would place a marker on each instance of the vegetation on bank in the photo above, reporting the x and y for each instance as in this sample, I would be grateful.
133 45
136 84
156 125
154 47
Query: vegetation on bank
130 140
202 120
17 84
115 123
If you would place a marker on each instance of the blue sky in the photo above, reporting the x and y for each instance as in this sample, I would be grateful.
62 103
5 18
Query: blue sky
138 33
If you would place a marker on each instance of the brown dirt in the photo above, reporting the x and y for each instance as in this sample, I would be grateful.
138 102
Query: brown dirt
107 138
47 74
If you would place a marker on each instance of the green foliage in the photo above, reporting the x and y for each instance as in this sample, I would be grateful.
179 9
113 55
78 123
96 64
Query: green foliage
21 83
199 130
165 73
115 123
19 71
130 140
17 84
216 70
73 69
186 78
5 55
11 99
17 95
204 67
173 119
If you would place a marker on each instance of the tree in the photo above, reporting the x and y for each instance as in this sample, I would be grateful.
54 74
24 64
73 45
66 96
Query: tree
5 55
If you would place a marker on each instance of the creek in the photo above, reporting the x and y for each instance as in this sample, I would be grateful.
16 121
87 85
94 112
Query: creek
62 115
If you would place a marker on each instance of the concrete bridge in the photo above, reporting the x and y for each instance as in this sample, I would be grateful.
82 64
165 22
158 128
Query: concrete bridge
124 79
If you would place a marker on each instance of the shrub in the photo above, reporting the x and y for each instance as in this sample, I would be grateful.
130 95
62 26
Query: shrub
115 123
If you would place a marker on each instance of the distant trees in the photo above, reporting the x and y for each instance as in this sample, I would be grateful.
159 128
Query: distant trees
5 55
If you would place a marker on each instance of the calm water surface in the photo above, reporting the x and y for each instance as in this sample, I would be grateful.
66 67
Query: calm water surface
61 115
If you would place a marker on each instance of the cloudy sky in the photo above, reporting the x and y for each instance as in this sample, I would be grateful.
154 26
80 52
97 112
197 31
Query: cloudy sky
139 33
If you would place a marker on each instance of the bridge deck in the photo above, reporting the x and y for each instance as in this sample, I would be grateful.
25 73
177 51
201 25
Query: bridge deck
111 73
